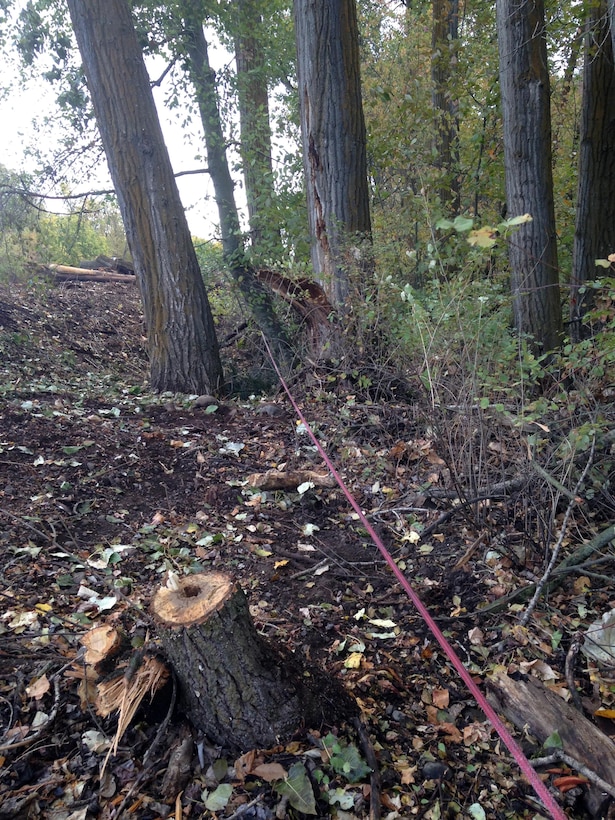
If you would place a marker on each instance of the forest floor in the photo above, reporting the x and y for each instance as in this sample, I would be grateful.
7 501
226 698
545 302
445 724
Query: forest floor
105 487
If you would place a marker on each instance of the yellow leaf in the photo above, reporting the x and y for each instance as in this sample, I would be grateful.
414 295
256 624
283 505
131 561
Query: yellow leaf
581 585
279 564
605 713
262 553
353 661
43 607
483 237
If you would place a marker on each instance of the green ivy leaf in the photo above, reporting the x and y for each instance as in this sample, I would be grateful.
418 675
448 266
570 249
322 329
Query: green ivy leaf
346 760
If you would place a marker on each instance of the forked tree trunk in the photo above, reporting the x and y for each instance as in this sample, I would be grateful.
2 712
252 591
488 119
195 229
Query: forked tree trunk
241 691
203 78
256 152
183 348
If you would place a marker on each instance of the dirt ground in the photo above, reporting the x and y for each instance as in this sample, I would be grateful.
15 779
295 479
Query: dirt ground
105 488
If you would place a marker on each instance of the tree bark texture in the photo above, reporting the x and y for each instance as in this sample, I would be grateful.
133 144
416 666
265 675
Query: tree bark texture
203 79
594 236
611 5
444 41
530 706
253 102
524 84
241 691
181 335
333 138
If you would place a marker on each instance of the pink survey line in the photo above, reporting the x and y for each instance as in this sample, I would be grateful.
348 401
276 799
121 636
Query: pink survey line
539 787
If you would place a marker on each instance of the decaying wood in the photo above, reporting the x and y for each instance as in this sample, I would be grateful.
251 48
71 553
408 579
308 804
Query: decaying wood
534 708
289 480
307 299
239 690
124 695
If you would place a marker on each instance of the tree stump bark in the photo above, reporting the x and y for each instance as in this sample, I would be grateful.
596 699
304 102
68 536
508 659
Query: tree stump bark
240 690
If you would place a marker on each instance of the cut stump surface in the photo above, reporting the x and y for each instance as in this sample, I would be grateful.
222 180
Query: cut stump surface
240 690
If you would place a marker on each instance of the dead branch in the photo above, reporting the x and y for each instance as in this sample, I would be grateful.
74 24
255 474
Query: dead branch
571 504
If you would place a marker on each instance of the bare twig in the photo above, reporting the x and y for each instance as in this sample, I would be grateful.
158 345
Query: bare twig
28 741
575 646
571 504
559 756
573 563
372 762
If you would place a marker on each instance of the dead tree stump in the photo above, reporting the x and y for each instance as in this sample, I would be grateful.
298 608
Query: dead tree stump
240 690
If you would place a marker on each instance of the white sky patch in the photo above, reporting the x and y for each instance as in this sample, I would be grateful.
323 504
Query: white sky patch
23 105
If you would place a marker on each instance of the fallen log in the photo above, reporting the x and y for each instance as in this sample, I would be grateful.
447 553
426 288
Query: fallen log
532 707
64 273
290 480
241 691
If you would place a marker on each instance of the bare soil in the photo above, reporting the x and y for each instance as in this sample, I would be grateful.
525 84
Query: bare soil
95 469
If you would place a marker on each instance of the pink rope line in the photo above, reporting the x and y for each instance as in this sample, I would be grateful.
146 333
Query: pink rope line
524 764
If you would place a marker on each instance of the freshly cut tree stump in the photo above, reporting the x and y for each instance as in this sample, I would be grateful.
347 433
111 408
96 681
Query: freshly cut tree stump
240 690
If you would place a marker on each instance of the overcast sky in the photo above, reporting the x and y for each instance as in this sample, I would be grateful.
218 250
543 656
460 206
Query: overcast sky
21 105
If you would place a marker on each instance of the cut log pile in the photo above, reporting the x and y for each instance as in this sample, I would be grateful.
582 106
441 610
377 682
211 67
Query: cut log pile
101 269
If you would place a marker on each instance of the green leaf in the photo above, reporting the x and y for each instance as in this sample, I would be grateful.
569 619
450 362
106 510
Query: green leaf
218 799
554 741
516 220
298 789
462 223
344 798
220 767
477 811
444 224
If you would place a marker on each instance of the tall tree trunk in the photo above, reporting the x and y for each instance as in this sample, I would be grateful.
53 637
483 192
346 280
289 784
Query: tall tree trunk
594 236
333 137
524 83
203 79
253 99
611 4
445 36
181 336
